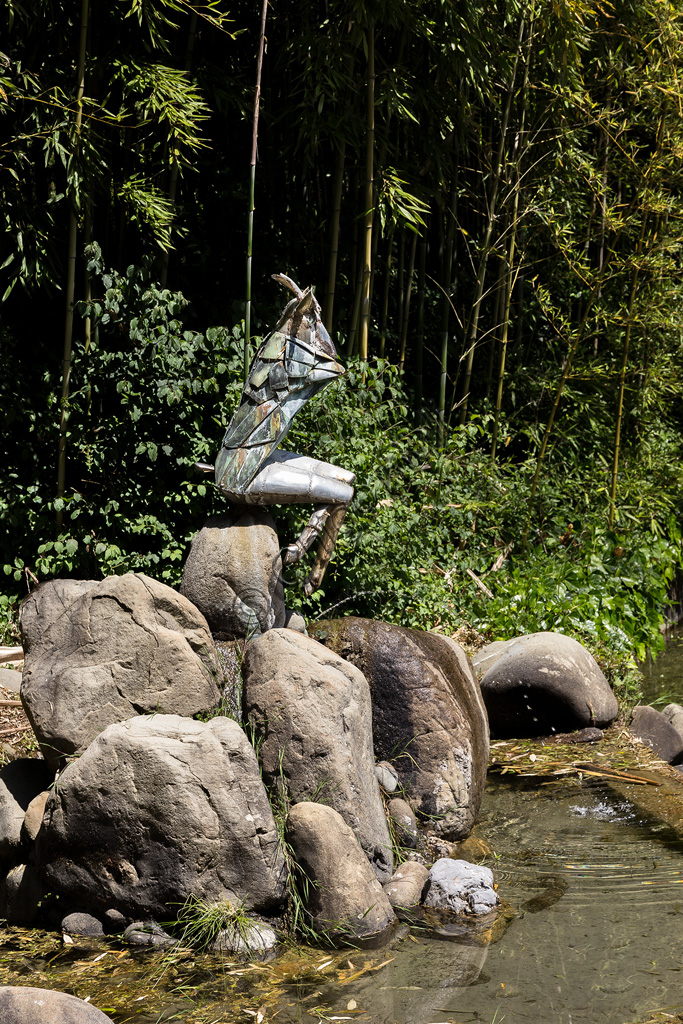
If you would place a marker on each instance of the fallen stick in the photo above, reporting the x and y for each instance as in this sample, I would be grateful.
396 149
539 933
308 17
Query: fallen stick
15 728
614 773
10 703
11 654
482 586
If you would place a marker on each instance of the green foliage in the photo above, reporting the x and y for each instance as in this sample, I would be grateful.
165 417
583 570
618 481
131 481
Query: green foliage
148 401
200 923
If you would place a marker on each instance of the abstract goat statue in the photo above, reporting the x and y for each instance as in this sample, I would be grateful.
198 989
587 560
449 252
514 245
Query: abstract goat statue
293 363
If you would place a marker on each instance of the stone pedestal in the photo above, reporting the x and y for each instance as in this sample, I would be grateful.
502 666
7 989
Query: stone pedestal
233 574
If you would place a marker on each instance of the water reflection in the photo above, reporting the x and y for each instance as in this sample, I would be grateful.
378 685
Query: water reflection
595 936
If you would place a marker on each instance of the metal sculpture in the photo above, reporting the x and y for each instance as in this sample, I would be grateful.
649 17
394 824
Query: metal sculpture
293 363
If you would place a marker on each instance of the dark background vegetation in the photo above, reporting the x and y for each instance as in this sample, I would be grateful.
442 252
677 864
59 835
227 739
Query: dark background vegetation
492 221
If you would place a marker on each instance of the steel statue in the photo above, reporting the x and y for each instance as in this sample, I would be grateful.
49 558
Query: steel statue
293 363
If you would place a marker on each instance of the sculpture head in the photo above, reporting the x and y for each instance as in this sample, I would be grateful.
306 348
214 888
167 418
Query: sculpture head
301 321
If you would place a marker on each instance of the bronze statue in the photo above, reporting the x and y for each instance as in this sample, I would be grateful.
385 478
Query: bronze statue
293 363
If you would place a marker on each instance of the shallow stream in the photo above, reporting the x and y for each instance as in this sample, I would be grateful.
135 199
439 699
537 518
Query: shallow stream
596 936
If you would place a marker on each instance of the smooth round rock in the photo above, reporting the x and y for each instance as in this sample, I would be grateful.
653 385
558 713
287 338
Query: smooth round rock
387 776
80 923
404 821
655 729
406 885
674 714
543 683
24 1005
345 899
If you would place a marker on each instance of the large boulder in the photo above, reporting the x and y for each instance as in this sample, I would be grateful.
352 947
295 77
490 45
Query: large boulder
543 683
20 782
343 898
312 719
428 718
157 809
98 653
233 573
24 1005
655 729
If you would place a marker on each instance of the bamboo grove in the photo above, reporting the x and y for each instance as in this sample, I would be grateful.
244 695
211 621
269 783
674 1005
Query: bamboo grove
486 197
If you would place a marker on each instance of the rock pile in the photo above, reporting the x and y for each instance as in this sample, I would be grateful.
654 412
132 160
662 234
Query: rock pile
149 797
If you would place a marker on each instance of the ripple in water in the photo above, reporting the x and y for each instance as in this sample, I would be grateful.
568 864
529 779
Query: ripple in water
599 912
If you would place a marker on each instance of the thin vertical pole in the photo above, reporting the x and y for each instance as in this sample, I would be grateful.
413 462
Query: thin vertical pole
71 271
252 190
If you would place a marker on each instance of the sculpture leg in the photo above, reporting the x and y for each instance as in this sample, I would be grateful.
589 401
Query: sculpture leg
313 528
329 539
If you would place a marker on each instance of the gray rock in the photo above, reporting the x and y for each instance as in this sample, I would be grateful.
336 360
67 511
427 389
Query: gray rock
20 782
404 821
147 933
157 809
387 776
10 679
126 646
114 922
20 894
674 714
312 719
428 718
233 573
24 1005
406 885
345 899
486 657
33 818
80 923
460 887
544 683
656 730
295 621
254 940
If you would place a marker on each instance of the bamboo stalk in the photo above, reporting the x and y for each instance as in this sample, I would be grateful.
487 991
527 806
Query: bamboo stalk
445 304
175 169
369 199
337 188
493 201
252 189
406 307
627 339
385 295
71 270
420 334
